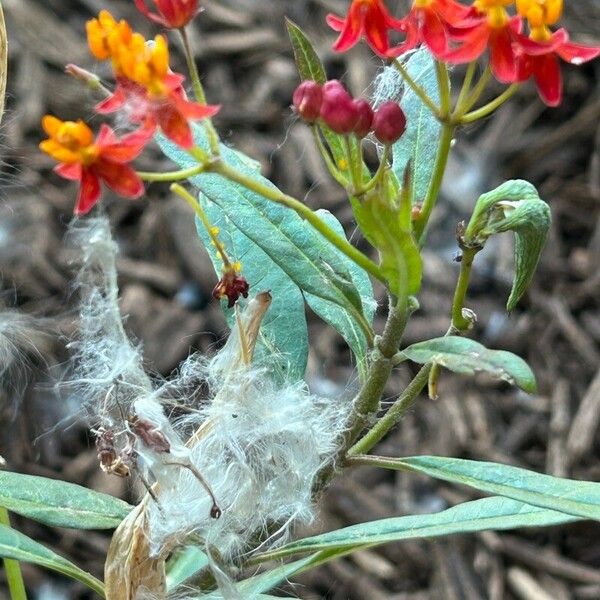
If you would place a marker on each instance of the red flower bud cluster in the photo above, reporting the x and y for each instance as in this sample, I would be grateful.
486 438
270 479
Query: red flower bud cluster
333 106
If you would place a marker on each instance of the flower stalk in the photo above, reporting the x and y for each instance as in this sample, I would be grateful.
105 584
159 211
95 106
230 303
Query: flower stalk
12 568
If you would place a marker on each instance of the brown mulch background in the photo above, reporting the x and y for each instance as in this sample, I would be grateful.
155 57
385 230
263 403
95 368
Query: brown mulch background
166 280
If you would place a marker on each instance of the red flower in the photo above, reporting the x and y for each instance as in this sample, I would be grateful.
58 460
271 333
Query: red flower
369 19
151 93
231 286
488 27
428 22
170 112
539 60
90 161
173 14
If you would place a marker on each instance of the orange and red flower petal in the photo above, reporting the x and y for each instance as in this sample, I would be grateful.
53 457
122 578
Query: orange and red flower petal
89 192
69 171
120 178
171 13
368 18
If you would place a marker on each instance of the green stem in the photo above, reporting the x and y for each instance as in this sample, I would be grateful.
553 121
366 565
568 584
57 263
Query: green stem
466 87
444 86
394 414
417 89
475 94
12 568
331 166
490 107
352 163
459 322
273 194
181 175
383 165
436 181
213 136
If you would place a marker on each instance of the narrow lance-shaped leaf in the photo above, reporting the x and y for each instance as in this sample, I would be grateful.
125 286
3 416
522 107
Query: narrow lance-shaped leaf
479 515
60 504
284 335
466 356
418 145
16 546
513 206
288 241
576 498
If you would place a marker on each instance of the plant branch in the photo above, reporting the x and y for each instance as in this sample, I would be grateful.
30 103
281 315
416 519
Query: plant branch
275 195
416 88
490 107
180 175
12 568
436 181
213 136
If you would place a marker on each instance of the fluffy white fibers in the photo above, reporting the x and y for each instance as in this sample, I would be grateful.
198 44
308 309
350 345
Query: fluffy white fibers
257 442
109 375
260 445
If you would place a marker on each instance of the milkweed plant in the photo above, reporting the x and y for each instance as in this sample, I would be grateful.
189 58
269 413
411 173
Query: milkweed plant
234 451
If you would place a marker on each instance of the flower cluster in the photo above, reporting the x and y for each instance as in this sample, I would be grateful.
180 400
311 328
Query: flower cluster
520 45
149 94
334 107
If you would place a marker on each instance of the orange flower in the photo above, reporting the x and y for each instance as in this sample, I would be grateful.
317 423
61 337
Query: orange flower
147 89
173 14
107 37
91 160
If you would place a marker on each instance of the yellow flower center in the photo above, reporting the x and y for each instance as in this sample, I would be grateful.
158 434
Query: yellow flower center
146 63
423 4
69 141
497 15
540 12
106 37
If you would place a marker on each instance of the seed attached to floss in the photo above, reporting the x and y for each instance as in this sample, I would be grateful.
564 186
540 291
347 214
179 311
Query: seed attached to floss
307 99
389 123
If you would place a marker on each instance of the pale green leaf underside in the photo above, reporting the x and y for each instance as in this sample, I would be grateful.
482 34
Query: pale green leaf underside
479 515
60 504
284 335
286 239
576 498
16 546
419 143
466 356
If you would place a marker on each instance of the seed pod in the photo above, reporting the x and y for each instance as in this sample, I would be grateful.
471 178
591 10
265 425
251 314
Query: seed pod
365 118
389 123
338 111
307 100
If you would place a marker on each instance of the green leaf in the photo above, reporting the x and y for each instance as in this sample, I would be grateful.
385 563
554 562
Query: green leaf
466 356
479 515
60 504
348 276
16 546
513 206
287 240
183 565
419 144
284 335
308 62
576 498
381 220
